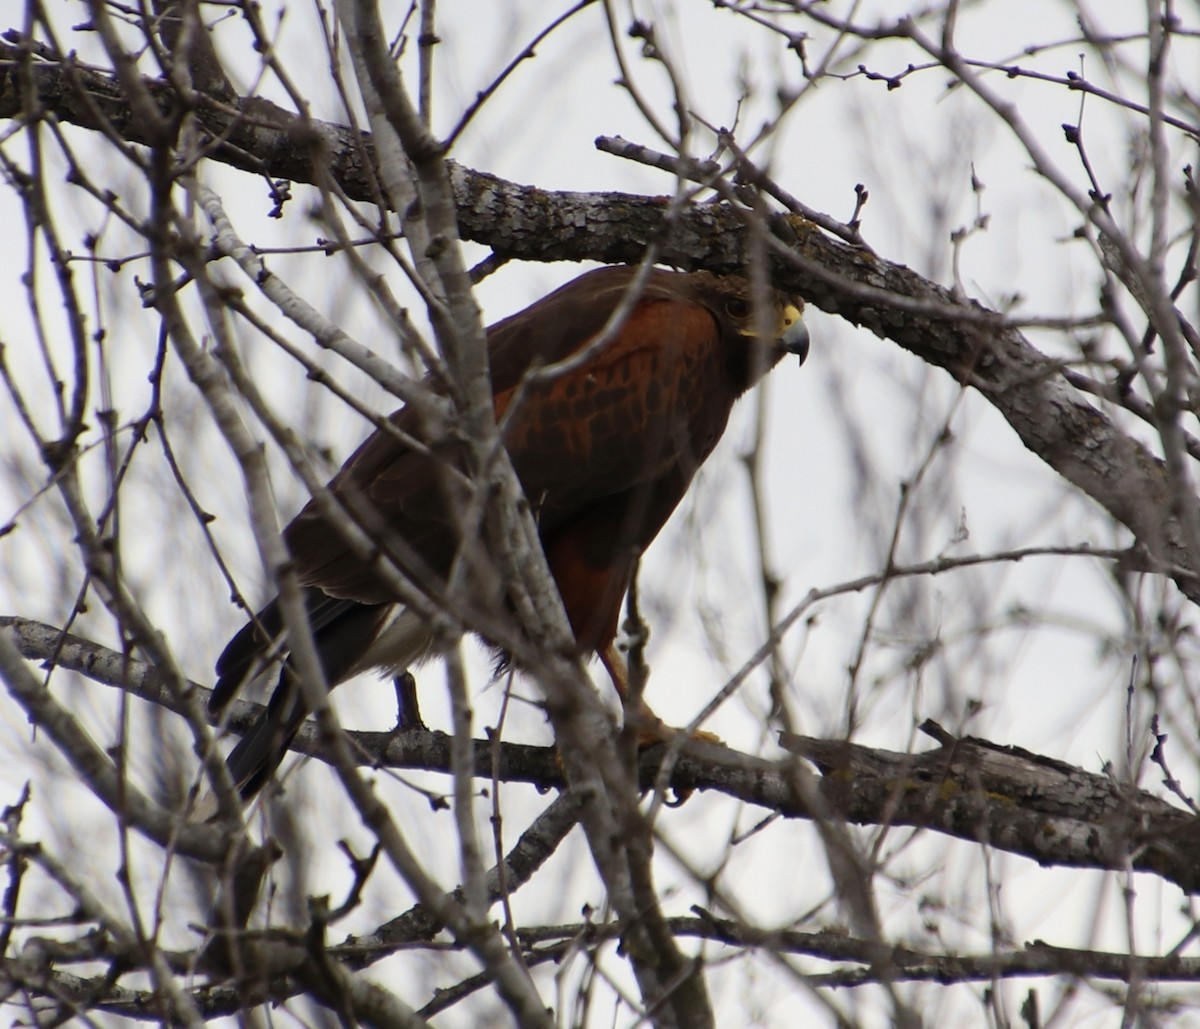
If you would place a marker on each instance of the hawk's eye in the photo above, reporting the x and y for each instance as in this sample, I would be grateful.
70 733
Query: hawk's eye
736 307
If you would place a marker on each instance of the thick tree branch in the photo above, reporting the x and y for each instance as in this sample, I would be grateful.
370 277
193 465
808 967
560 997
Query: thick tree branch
553 943
905 963
1014 800
977 346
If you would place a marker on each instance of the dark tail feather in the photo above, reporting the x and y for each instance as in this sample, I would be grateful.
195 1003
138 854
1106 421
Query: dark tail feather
242 653
342 631
256 755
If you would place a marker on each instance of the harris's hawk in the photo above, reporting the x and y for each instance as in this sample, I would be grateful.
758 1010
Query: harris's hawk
604 451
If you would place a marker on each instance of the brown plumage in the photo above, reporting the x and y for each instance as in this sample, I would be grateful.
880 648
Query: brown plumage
605 452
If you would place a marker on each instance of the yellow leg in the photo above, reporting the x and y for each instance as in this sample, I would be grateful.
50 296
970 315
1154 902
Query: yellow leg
650 728
617 670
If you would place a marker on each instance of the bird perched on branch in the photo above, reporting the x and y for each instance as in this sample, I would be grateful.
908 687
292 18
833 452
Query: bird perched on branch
605 448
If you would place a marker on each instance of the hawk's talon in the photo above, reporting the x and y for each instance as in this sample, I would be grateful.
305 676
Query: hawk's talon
408 707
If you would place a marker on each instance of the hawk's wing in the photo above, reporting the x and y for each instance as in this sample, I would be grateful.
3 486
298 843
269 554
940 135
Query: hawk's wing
625 418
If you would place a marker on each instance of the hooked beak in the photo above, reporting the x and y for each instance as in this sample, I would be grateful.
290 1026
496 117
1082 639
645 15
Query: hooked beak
795 334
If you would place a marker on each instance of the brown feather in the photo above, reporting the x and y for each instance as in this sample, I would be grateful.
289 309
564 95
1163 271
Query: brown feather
605 452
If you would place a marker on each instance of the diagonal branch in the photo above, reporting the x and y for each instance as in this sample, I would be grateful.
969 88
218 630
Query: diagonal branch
978 346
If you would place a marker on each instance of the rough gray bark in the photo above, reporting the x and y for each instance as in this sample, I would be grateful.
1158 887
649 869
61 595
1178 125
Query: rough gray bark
977 346
1012 799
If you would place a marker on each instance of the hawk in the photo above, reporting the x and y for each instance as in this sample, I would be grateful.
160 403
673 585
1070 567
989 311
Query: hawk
604 450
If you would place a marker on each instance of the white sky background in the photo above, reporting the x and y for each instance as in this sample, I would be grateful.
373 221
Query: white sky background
1048 688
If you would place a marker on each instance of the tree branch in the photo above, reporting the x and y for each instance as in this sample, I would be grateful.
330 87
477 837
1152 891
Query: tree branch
974 344
1012 799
